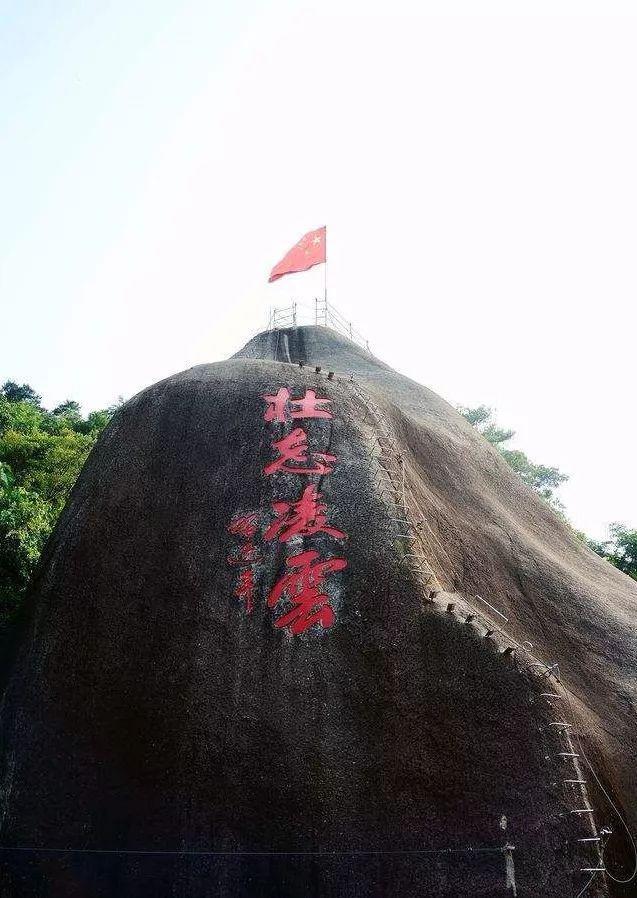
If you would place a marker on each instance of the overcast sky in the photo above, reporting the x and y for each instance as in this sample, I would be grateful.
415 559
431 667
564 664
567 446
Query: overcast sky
477 175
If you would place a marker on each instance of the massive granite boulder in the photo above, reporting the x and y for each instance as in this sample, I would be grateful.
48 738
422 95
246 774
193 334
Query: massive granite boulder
266 654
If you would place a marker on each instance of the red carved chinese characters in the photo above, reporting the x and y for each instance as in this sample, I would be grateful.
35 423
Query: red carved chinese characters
244 525
246 554
300 593
294 448
281 408
302 586
302 518
245 588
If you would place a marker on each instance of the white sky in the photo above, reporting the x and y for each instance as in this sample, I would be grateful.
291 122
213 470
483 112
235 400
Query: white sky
478 178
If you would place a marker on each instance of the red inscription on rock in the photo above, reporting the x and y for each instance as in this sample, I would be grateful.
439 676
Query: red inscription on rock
293 454
245 587
302 518
282 408
302 587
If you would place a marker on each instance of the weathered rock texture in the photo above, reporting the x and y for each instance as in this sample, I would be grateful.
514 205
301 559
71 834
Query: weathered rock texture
157 740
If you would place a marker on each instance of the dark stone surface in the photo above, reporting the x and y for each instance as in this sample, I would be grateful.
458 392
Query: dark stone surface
147 713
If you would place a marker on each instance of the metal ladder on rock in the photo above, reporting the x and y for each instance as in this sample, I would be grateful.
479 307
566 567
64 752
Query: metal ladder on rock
390 480
391 483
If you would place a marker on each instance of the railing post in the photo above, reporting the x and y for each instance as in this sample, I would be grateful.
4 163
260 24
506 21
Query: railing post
324 313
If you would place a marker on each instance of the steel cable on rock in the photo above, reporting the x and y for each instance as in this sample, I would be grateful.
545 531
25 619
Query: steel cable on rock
620 816
372 852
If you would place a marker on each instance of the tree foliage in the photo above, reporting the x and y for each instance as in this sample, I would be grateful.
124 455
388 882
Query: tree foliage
620 550
14 392
541 478
41 455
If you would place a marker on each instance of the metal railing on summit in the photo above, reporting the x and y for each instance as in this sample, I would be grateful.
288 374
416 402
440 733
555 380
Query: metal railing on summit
321 312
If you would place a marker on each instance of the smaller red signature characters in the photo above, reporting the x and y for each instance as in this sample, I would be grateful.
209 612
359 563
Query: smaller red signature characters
282 408
293 448
245 588
244 525
302 587
246 554
302 518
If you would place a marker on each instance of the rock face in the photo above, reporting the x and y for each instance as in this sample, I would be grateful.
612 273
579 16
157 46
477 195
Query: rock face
217 693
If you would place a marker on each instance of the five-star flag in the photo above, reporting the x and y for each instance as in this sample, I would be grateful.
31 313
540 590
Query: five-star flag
309 251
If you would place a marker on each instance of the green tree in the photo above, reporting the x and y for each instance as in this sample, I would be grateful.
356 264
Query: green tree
70 407
25 522
41 455
600 549
20 393
622 549
544 480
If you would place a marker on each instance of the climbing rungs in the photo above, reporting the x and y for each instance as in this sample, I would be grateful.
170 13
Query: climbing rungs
567 754
394 502
583 811
549 668
420 566
424 569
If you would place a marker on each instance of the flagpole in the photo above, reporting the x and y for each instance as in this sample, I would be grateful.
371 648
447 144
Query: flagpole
325 277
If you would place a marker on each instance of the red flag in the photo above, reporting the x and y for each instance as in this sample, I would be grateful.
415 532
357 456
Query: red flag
309 251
